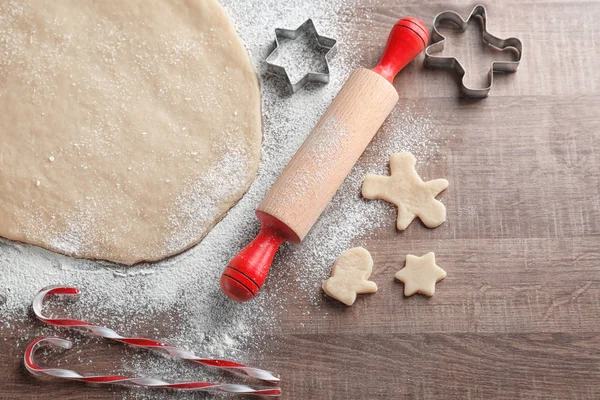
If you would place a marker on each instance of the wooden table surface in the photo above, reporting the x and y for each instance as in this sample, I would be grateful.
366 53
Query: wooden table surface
518 314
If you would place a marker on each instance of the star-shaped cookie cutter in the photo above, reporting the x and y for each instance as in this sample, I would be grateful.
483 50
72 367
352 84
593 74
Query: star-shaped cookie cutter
438 41
308 27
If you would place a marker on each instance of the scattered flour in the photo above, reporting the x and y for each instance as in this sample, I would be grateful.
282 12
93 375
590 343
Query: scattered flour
184 290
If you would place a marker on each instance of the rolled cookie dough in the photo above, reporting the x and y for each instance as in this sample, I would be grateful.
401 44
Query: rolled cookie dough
406 189
420 274
350 276
128 128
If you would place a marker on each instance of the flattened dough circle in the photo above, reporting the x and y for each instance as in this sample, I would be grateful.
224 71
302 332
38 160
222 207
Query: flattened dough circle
128 128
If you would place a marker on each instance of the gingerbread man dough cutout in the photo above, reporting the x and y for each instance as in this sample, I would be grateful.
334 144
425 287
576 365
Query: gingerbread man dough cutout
420 274
406 189
350 275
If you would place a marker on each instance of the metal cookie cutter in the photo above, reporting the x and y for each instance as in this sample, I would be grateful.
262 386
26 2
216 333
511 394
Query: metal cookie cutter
326 43
438 41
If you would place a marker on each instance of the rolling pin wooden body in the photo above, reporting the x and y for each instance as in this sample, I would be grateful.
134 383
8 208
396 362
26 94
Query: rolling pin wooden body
311 178
317 170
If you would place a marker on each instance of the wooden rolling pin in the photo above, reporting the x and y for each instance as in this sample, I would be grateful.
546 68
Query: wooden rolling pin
309 181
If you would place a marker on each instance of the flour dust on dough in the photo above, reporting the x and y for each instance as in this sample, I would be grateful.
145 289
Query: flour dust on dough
128 128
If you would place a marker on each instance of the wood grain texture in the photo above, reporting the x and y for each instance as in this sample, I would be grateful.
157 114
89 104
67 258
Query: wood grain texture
518 315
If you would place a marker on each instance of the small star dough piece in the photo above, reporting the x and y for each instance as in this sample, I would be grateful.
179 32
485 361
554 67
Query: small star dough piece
349 276
406 189
420 274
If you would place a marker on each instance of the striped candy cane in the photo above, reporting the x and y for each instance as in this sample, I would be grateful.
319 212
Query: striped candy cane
150 344
132 381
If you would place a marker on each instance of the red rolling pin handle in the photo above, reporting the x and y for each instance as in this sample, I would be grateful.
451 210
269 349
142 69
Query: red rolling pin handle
407 40
248 270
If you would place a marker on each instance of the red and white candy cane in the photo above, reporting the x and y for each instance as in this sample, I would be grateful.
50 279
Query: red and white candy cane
134 381
150 344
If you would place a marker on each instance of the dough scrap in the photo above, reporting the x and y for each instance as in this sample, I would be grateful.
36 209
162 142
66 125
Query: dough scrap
420 275
405 188
350 275
128 128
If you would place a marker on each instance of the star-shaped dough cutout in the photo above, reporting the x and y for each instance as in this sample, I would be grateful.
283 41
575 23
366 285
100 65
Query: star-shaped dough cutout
405 188
420 275
350 275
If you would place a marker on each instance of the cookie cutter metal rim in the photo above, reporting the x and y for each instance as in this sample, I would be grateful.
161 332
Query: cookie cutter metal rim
438 41
292 34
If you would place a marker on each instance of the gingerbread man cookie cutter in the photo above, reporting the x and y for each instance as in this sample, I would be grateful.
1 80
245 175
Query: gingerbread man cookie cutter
438 41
